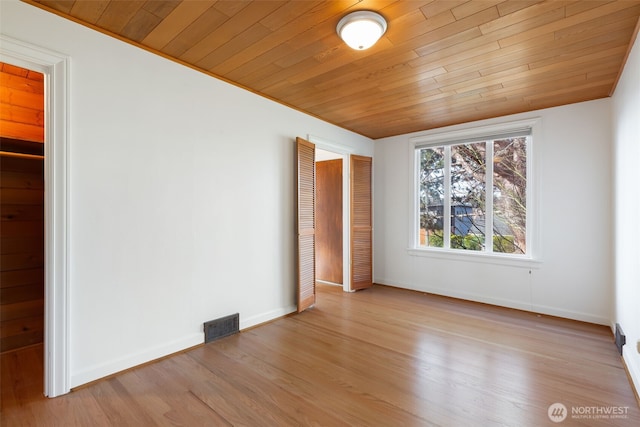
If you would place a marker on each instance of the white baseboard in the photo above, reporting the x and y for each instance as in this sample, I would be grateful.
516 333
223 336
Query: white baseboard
109 368
568 314
503 302
265 317
632 361
105 369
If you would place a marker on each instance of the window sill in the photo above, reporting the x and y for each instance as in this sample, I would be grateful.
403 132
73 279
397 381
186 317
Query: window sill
484 258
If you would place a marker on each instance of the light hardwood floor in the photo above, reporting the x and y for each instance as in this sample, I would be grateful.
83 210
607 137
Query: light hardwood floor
380 357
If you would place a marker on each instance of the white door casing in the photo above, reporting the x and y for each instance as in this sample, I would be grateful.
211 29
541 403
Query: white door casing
56 69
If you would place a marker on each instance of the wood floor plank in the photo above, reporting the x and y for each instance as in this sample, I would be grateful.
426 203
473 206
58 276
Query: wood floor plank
394 393
117 403
380 357
286 372
272 405
185 408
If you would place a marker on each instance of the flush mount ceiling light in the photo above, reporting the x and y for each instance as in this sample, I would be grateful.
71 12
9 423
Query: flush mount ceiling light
361 30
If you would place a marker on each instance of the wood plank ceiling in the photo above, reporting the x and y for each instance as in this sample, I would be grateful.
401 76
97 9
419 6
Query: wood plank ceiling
439 63
21 103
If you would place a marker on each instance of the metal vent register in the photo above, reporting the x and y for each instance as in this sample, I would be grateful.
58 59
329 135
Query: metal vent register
621 338
222 327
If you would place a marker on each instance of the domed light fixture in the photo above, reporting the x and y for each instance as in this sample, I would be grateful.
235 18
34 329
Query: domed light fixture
362 29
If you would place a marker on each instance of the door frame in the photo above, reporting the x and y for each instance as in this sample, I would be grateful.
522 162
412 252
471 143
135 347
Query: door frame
55 67
345 153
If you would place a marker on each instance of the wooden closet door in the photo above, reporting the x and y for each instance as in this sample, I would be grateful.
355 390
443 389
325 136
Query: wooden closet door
361 223
329 237
306 222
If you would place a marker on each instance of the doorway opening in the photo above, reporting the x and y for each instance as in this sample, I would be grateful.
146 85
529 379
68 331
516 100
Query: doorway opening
329 218
326 150
22 207
55 70
357 218
22 287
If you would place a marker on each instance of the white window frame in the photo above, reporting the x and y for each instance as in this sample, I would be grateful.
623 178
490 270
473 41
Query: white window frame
478 133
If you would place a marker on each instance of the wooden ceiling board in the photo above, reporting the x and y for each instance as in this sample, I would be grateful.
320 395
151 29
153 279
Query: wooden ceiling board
239 23
63 6
441 62
183 15
545 46
161 8
140 25
263 50
508 7
194 32
21 103
89 11
117 14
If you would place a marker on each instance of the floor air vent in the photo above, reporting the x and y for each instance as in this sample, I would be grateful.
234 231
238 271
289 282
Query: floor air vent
621 338
222 327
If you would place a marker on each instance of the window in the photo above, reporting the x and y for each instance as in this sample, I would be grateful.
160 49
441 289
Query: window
473 191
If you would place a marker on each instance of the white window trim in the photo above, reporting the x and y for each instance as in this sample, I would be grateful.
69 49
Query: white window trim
436 138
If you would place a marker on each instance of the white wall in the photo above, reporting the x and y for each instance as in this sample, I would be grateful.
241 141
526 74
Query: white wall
181 197
626 130
573 278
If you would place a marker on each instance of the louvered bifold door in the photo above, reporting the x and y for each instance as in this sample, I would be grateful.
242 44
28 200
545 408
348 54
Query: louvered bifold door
306 200
361 223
